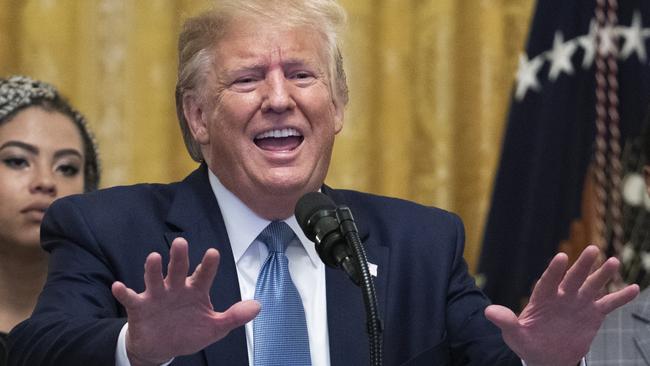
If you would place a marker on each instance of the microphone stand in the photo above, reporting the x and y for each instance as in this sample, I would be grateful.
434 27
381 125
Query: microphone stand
373 323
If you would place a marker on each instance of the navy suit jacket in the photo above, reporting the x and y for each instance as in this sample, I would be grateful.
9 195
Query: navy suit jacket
431 310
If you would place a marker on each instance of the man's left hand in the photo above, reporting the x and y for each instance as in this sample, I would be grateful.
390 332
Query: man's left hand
565 311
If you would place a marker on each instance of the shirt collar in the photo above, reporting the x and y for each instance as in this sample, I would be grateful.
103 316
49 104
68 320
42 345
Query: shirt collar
243 225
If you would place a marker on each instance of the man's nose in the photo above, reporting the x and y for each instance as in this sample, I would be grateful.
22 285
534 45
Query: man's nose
277 96
43 182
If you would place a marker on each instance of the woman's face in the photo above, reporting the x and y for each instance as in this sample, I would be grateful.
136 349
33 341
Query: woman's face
41 159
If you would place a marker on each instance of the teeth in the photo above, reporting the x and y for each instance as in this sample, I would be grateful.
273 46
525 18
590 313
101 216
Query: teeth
285 132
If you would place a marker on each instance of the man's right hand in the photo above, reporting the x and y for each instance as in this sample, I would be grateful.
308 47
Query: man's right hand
174 315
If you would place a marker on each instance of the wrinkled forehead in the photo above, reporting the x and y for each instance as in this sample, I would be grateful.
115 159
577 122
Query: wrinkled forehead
271 43
276 37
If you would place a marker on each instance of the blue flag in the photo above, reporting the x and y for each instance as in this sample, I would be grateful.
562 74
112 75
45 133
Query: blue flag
549 137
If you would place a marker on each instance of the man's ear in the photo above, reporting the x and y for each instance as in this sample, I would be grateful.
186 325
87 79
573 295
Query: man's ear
338 117
196 117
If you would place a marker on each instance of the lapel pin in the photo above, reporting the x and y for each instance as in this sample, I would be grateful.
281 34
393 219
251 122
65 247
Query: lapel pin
372 268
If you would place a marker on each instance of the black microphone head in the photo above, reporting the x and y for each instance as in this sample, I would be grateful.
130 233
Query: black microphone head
317 216
307 206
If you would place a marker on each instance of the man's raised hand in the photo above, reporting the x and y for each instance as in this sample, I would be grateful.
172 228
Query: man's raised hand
565 311
174 315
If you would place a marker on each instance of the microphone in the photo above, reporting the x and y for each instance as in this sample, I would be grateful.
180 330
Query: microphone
317 216
337 241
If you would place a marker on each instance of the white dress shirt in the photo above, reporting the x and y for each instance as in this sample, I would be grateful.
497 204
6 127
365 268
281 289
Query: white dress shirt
306 268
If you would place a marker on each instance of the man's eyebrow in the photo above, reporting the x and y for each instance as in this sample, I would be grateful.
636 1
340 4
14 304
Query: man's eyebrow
260 66
246 68
25 146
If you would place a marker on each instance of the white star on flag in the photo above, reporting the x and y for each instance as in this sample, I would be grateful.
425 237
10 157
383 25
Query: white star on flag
527 75
560 57
634 38
588 43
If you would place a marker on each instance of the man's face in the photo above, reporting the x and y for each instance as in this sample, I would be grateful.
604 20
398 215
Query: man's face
267 120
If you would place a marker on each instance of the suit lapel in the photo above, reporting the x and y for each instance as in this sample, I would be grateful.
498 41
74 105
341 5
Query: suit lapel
195 215
346 313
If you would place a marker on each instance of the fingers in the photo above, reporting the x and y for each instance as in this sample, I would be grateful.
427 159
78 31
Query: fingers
127 297
153 279
157 286
546 287
503 318
179 264
206 270
577 274
619 298
238 314
595 283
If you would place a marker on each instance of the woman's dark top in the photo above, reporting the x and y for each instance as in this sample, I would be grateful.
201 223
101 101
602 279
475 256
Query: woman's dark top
3 349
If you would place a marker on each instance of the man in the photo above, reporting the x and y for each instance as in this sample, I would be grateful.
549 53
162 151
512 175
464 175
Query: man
260 97
624 337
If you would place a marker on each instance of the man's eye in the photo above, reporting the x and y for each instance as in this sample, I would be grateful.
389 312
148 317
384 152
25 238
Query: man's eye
246 80
301 75
15 163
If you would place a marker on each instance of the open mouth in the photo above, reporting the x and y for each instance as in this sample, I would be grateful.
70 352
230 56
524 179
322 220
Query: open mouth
285 139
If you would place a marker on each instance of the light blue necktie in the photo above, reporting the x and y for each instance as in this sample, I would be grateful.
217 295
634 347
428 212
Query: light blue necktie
279 330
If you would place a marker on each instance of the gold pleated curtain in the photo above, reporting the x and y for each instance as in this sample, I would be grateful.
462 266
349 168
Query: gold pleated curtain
429 80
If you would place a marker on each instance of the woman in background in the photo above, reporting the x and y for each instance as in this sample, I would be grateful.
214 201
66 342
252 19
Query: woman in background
46 152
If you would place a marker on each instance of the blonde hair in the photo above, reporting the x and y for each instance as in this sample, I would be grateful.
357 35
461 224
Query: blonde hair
201 33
